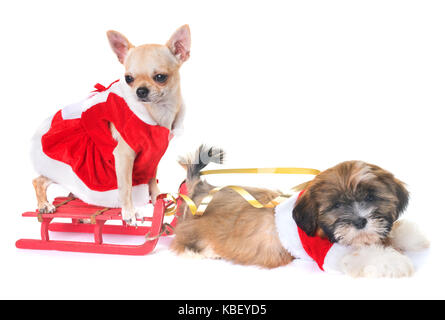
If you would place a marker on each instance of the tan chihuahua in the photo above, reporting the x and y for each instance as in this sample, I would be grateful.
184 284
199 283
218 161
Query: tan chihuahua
150 88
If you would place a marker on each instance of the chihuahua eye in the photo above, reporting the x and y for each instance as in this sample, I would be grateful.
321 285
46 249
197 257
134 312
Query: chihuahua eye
369 198
161 78
129 79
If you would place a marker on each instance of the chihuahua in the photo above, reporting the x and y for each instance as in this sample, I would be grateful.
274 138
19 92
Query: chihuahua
105 149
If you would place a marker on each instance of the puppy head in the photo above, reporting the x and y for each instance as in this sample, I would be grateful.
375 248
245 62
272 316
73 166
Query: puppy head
152 70
353 203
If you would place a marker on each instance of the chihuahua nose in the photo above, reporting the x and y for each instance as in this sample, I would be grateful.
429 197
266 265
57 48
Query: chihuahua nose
142 92
360 223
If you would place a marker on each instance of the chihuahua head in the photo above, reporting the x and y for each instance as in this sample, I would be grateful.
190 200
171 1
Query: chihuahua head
152 70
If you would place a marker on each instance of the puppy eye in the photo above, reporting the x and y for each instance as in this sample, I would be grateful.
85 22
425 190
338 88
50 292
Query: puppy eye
369 198
129 79
161 78
336 205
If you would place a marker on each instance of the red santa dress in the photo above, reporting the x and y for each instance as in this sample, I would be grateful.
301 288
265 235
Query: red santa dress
75 147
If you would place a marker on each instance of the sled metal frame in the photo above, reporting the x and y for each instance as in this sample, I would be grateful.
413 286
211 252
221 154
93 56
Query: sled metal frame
76 210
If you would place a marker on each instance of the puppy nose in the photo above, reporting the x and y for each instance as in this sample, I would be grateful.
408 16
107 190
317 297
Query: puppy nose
142 92
360 223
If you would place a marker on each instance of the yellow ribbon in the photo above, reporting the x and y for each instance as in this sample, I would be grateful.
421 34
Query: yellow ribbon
171 210
264 171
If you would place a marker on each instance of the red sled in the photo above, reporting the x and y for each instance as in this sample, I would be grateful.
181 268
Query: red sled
76 210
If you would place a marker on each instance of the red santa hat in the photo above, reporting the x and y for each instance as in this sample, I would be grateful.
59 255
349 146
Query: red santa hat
301 246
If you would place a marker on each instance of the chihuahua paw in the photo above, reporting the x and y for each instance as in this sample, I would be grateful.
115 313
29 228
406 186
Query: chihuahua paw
376 262
46 207
154 197
140 214
129 216
154 193
406 236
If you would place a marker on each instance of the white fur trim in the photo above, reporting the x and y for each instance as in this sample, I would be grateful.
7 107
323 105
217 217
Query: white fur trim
63 175
75 110
287 229
290 239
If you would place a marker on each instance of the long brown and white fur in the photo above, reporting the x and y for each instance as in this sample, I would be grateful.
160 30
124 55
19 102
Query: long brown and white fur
163 106
233 230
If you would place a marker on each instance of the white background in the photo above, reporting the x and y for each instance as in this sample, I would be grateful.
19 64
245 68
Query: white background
275 83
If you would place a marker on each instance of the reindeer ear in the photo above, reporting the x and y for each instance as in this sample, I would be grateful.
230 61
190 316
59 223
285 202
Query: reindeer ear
179 43
119 44
305 213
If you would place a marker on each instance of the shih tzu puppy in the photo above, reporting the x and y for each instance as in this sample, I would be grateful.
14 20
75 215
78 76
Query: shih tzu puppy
346 220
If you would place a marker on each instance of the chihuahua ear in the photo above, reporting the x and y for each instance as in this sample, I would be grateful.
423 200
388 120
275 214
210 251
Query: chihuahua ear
119 44
305 213
179 43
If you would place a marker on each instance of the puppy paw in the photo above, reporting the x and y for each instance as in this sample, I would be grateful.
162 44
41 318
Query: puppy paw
207 253
129 216
46 207
376 262
192 254
406 236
